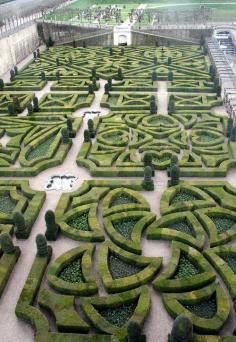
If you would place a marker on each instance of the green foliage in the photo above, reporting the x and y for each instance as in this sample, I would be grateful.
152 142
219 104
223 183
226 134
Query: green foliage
35 104
16 104
174 175
154 76
134 332
118 316
169 61
72 273
171 105
6 243
182 330
106 88
58 76
20 225
87 136
69 124
11 109
80 222
41 243
233 134
65 137
153 107
186 268
30 109
121 269
52 228
229 127
148 182
94 73
90 89
109 81
173 160
49 42
1 84
91 128
170 76
120 75
94 83
84 44
110 51
155 60
12 75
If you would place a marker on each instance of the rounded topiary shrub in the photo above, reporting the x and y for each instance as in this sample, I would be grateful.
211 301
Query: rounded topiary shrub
91 128
148 182
21 230
86 136
6 243
42 248
182 330
52 228
174 175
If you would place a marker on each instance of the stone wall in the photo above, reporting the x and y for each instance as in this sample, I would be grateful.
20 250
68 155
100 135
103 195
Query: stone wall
16 47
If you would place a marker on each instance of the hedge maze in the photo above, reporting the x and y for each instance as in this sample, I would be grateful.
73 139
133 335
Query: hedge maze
161 104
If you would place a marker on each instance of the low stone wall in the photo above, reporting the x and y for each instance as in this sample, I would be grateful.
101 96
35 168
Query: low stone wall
16 47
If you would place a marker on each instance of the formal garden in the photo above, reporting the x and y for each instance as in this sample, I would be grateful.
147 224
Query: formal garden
142 248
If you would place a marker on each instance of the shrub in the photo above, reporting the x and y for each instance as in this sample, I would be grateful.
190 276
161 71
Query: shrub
122 51
152 107
94 73
111 51
156 43
171 106
57 61
38 53
12 74
65 138
15 70
120 75
42 248
86 136
170 76
11 109
233 134
173 160
147 160
49 42
19 221
16 104
52 227
43 76
91 128
154 76
6 243
106 88
69 124
94 82
212 71
84 44
34 55
58 76
155 60
229 127
148 182
182 330
109 81
35 104
30 109
74 44
202 39
169 61
1 84
174 175
134 332
90 89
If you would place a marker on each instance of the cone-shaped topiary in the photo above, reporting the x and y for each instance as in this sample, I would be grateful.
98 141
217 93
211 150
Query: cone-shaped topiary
148 182
173 160
91 128
12 74
58 76
169 61
35 104
120 75
233 134
154 76
111 51
43 76
134 332
84 44
182 330
155 60
30 109
86 136
35 55
16 103
1 84
65 138
42 248
122 51
109 81
38 53
11 109
153 108
19 221
6 243
174 175
147 159
171 106
170 76
229 127
50 42
90 89
106 88
94 73
74 44
94 83
15 70
52 228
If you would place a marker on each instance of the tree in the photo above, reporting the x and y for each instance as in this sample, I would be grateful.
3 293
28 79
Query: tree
6 243
182 330
30 109
84 44
147 159
233 133
43 76
94 82
153 107
52 228
86 136
170 76
155 60
16 104
12 75
120 74
202 39
11 109
156 43
91 128
212 71
38 53
15 70
154 76
106 88
1 84
58 76
19 221
90 89
148 182
169 61
69 124
35 104
109 81
134 332
65 138
41 243
174 175
171 106
74 44
111 51
94 73
229 127
35 55
122 51
205 51
173 160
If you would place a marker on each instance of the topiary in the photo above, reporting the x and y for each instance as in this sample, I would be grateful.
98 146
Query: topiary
49 42
154 76
106 88
1 84
171 106
174 175
90 89
173 160
35 104
69 124
57 61
6 243
94 82
122 51
155 60
11 109
43 76
91 128
134 331
34 55
15 70
202 39
65 138
233 134
42 248
182 330
153 108
52 228
111 51
21 230
16 103
74 44
94 73
109 82
229 127
169 61
84 44
38 53
12 75
58 76
170 76
120 75
30 109
86 136
147 159
148 182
